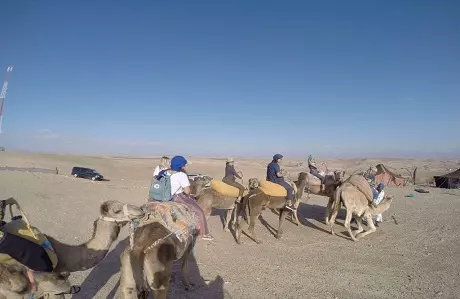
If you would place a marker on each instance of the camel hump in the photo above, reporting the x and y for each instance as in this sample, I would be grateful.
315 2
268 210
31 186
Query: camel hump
272 189
178 218
312 180
20 228
362 185
224 189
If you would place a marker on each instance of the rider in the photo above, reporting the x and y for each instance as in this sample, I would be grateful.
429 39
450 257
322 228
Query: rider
379 195
229 178
314 169
164 164
180 191
276 175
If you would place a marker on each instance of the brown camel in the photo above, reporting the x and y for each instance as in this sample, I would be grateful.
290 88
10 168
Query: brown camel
356 204
331 181
71 258
166 234
208 198
257 200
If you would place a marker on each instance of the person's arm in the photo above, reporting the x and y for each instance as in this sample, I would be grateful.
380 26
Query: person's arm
185 183
279 173
236 173
156 171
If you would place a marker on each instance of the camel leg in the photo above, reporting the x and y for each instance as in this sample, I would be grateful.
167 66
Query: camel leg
371 226
252 223
185 266
332 221
328 211
294 213
227 219
128 289
235 212
347 224
283 213
359 221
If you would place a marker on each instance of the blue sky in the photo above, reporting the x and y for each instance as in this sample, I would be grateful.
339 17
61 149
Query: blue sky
331 78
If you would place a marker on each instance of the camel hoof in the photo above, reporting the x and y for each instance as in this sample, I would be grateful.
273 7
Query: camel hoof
225 229
278 236
259 241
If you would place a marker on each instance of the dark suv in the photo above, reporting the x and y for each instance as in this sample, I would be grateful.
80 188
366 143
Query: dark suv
87 173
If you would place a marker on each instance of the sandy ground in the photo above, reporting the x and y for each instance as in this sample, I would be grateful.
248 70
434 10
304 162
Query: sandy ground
416 258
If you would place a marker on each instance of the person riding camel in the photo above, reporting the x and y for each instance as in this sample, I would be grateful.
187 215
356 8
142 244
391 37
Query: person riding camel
314 169
276 175
180 192
230 175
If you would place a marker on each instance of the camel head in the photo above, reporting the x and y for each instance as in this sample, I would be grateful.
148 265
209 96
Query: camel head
198 184
303 176
115 211
339 176
253 183
15 283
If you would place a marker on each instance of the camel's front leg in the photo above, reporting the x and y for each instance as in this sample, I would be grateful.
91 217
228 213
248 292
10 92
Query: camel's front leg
252 223
128 289
359 221
294 213
227 219
332 221
328 211
283 213
347 224
371 229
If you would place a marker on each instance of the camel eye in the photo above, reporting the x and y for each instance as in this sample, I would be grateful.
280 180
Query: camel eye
117 209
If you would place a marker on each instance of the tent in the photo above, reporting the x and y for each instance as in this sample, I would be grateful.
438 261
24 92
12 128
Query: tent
448 181
385 176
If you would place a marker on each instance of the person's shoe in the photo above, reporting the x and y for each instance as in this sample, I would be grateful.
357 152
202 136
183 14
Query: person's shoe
238 200
376 223
290 207
208 237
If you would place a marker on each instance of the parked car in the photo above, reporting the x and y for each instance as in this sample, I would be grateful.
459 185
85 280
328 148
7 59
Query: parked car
87 173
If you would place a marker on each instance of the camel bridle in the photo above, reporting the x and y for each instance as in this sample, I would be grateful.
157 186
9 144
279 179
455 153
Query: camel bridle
126 217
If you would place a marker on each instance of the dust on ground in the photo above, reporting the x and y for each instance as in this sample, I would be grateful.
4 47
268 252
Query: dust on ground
416 258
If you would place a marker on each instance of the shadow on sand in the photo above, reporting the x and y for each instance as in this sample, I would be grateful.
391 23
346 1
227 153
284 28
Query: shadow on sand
101 274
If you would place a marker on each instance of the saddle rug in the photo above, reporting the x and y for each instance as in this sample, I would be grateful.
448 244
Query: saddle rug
179 219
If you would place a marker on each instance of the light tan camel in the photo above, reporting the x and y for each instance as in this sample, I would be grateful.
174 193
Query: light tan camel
257 200
14 284
163 236
71 258
356 204
209 198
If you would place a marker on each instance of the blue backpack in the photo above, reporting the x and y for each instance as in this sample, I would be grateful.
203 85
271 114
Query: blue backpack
160 189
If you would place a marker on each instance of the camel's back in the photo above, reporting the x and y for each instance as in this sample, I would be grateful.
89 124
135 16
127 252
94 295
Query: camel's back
354 199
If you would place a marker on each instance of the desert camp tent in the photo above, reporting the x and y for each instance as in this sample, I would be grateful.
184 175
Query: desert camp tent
385 176
448 181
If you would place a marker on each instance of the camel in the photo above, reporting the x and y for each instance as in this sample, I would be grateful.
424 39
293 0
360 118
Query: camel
356 204
257 200
331 181
166 234
209 198
15 285
72 258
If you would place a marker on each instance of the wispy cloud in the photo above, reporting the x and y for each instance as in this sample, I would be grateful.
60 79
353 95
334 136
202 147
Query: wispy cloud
45 134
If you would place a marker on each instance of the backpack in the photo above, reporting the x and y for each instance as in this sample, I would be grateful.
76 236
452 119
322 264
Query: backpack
160 188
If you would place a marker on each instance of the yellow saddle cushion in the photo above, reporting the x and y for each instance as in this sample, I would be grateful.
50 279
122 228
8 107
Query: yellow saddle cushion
272 189
224 189
19 228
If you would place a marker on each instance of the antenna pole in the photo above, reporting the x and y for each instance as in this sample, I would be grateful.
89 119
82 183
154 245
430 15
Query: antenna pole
3 93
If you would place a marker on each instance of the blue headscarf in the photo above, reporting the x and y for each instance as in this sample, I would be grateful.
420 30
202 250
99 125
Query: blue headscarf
177 163
381 186
277 157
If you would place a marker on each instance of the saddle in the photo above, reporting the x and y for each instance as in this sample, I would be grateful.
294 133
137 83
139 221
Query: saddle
179 219
20 226
275 190
225 189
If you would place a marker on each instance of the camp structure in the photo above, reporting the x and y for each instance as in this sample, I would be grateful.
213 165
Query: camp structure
388 178
448 181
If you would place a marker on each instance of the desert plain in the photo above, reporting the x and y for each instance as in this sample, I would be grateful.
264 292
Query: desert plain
415 252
